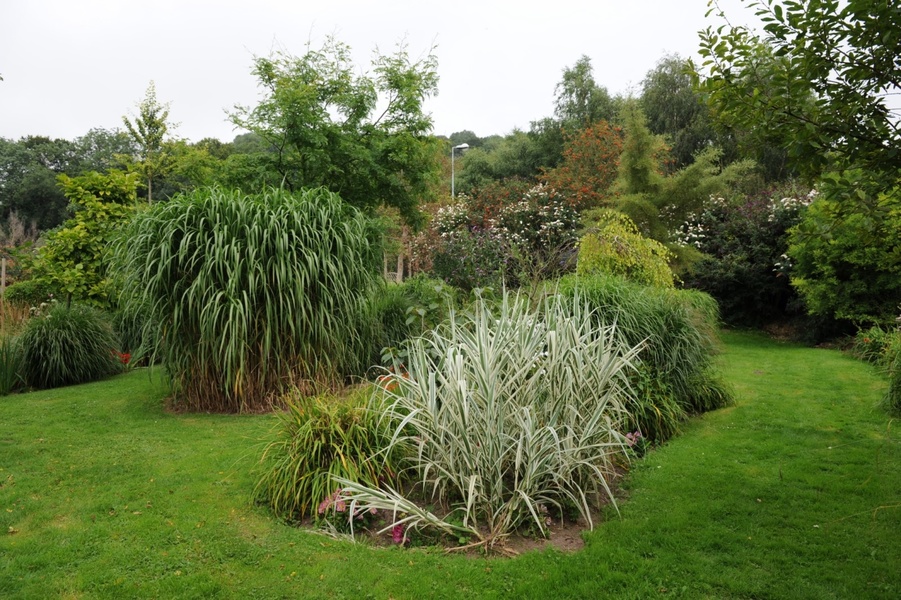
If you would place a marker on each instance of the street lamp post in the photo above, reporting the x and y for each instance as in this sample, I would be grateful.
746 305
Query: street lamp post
454 152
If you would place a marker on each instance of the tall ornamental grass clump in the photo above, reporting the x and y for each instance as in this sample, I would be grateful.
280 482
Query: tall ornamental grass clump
251 294
888 358
11 361
679 332
514 416
13 316
68 345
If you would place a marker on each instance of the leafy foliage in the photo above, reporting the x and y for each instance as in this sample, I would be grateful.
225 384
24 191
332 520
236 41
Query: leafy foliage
845 253
579 101
28 172
676 110
320 118
497 161
514 414
148 131
317 441
501 239
30 291
817 85
470 258
68 345
613 245
251 294
402 311
589 167
74 260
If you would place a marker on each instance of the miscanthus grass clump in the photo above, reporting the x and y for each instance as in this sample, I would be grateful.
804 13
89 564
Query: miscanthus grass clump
251 295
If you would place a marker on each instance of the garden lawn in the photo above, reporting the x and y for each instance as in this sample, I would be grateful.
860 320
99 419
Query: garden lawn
794 492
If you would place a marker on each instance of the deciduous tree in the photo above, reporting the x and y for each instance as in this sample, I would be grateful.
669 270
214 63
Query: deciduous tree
149 130
676 110
328 127
590 166
817 83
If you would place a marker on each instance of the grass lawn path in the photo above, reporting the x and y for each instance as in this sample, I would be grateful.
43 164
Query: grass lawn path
793 492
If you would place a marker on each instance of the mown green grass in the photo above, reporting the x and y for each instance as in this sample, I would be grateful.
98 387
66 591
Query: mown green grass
794 492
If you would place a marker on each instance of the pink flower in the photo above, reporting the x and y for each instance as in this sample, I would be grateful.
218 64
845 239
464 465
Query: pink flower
397 534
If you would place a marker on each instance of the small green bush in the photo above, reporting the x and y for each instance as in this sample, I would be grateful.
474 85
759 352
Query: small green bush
318 439
30 291
679 332
399 312
68 345
614 246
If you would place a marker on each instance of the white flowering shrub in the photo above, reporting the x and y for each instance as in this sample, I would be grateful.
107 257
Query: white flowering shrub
481 244
745 244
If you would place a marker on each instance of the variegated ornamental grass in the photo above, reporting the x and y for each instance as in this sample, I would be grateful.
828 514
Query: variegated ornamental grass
516 416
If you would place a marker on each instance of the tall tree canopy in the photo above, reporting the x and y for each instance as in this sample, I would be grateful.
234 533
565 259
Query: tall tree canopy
823 83
675 109
578 100
817 83
364 136
28 171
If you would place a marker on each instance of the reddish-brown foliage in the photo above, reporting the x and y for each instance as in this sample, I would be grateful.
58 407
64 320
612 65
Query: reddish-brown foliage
590 165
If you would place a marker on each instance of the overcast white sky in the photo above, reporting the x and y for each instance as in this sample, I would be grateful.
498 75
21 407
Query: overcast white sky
71 65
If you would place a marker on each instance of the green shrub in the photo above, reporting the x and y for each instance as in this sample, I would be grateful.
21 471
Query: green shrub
509 234
517 414
75 257
679 332
251 295
68 345
614 246
317 440
30 291
472 258
402 311
10 365
744 265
